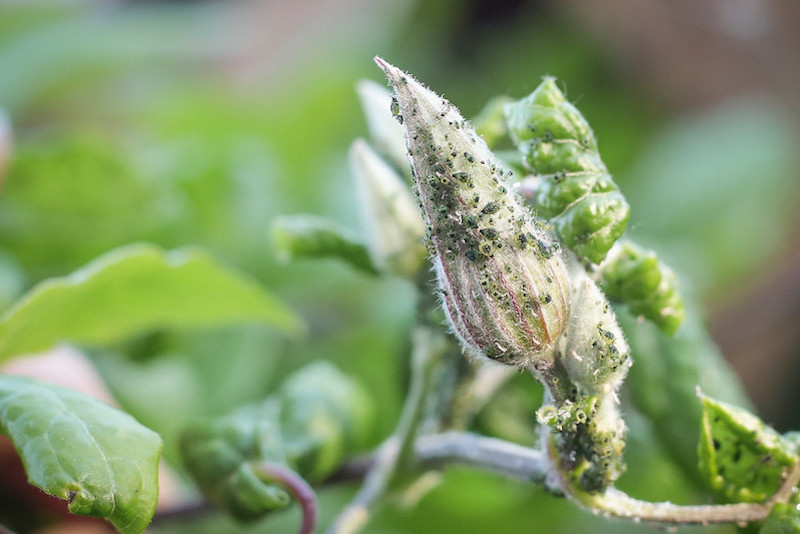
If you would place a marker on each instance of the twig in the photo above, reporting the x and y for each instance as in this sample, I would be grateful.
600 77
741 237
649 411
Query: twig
430 345
490 454
297 487
615 503
531 465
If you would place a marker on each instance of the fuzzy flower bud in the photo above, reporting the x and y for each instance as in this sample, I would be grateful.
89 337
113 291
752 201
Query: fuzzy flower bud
594 349
395 229
504 285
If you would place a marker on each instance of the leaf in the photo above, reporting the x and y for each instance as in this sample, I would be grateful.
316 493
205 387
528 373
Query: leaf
316 418
132 289
81 450
663 381
310 236
741 458
575 191
783 519
637 278
49 235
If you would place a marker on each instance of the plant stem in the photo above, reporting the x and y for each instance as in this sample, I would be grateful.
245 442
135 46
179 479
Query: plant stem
430 344
490 454
615 503
297 487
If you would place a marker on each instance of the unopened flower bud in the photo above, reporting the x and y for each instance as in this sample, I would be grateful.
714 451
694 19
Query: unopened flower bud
395 231
504 284
594 349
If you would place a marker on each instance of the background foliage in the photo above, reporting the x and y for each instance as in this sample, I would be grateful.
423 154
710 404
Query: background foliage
196 123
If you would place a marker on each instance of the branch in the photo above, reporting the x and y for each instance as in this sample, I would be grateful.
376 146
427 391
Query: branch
530 465
430 345
490 454
615 503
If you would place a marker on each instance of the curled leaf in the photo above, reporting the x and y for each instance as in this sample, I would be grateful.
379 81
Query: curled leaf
636 277
575 191
741 458
310 236
309 425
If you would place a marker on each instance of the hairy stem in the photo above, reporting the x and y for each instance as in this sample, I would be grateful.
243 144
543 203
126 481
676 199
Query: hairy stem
615 503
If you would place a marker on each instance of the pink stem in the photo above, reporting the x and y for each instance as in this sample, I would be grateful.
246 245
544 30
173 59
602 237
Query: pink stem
297 487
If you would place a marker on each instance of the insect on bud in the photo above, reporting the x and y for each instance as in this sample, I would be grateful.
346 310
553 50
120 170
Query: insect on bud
385 134
594 349
504 285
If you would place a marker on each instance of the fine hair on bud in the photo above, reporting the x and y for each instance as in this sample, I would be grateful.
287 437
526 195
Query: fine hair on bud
504 284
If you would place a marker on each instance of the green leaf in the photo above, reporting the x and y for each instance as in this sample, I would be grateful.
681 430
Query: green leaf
636 277
575 190
309 236
81 450
783 519
130 290
316 418
741 458
49 235
663 381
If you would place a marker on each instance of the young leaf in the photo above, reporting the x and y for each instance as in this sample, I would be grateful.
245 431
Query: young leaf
310 236
132 289
576 192
637 277
317 417
81 450
741 458
662 384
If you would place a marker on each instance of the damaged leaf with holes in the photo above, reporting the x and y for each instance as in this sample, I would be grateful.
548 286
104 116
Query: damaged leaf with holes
741 458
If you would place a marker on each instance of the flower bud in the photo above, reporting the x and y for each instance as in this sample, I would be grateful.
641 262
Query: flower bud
504 285
395 231
593 348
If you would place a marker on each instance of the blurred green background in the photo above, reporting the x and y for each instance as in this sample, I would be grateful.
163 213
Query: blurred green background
198 122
